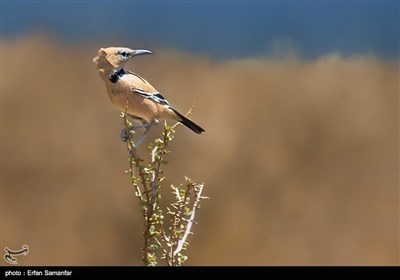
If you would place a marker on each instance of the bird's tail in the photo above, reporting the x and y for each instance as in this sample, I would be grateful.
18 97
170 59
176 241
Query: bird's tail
188 123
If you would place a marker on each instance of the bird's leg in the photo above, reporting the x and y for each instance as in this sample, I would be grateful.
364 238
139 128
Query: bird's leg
125 135
147 128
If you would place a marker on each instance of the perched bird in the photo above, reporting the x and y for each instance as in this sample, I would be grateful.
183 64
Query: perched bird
132 94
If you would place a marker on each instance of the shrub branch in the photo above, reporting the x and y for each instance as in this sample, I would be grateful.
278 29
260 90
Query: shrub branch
161 239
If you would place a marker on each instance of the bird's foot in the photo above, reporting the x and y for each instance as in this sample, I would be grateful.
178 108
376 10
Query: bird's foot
125 135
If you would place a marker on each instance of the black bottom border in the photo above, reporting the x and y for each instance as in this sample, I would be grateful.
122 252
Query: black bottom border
9 272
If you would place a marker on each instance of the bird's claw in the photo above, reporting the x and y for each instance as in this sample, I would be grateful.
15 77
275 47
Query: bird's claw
125 135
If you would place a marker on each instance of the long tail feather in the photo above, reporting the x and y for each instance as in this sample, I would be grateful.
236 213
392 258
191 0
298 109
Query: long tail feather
188 123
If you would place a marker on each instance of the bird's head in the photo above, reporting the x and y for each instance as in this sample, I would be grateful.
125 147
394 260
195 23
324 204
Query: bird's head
115 58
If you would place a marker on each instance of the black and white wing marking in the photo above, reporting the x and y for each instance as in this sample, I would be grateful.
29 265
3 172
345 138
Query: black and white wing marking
156 97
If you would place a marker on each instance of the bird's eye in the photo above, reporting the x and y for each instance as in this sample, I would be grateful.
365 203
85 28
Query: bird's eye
124 54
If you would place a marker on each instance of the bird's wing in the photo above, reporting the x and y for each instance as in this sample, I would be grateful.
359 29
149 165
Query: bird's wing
146 90
156 96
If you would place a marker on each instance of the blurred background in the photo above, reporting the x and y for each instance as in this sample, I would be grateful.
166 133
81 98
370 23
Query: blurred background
299 101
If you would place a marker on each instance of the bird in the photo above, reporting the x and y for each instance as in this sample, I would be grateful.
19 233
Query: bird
132 94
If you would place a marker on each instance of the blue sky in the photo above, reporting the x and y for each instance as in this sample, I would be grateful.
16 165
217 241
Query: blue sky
217 28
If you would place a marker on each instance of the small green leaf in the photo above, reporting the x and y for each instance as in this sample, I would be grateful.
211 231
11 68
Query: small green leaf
154 247
183 258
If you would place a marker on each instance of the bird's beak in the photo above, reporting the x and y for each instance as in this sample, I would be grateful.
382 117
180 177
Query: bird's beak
140 52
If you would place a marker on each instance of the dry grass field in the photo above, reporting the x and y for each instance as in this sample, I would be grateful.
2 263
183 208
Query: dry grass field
300 158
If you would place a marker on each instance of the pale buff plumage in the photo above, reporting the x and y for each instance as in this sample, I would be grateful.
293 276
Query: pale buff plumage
131 93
